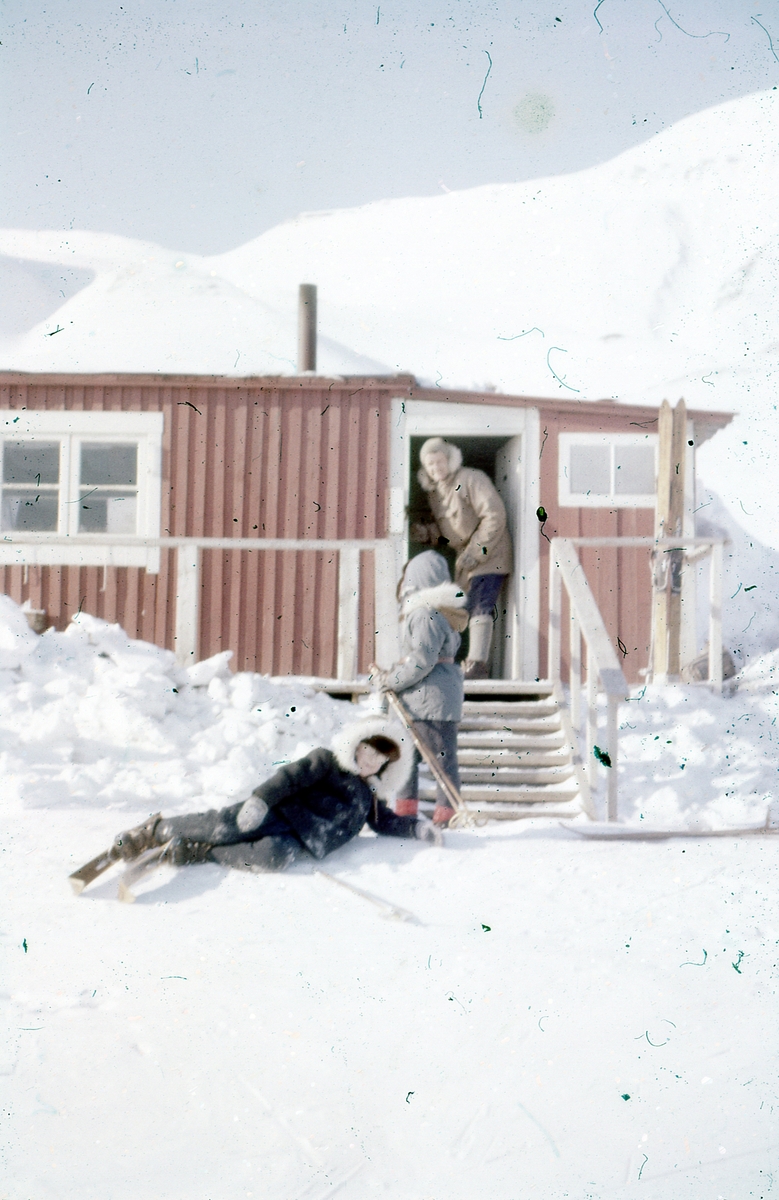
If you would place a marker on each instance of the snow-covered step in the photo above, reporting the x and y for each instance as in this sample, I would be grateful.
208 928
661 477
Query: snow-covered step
560 809
507 689
518 794
503 775
518 707
500 740
489 755
505 723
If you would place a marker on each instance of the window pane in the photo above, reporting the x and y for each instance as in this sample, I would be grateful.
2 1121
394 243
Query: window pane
106 463
106 512
30 510
31 462
635 470
589 470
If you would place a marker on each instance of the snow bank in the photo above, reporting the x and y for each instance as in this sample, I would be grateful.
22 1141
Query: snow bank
750 583
16 637
583 1017
92 717
692 759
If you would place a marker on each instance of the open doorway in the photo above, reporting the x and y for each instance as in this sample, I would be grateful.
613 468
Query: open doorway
496 457
502 441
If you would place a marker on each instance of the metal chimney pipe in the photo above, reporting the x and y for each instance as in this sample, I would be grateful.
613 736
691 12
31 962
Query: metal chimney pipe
307 328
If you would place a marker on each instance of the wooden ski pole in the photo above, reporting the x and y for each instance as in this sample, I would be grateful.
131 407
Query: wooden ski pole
387 909
440 776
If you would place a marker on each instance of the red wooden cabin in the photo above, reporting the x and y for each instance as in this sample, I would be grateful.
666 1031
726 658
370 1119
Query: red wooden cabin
97 468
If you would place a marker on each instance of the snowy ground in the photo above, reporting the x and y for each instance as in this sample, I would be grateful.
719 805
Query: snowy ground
565 1018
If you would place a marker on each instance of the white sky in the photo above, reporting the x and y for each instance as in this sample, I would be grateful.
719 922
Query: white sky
201 125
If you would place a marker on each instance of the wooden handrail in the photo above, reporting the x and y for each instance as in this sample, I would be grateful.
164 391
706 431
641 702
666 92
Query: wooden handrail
590 620
204 543
24 548
665 543
604 670
603 667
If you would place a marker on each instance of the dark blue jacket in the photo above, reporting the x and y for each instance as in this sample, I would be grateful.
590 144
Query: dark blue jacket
323 805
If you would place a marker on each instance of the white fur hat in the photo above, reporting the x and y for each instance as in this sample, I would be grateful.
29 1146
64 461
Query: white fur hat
434 445
347 740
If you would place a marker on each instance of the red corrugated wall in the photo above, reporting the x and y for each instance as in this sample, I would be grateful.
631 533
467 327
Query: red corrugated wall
300 458
281 459
619 579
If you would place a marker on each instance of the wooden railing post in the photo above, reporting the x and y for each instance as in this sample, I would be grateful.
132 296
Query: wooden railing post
187 623
574 631
387 643
715 617
591 727
612 735
604 669
348 611
555 612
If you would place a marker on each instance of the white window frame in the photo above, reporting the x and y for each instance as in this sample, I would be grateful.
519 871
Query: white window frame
569 499
70 429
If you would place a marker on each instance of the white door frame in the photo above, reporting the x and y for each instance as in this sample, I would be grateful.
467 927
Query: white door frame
431 418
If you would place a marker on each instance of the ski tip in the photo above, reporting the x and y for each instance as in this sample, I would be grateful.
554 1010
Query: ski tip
125 895
78 885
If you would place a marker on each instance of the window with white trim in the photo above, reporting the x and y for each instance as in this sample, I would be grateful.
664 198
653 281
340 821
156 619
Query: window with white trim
598 470
66 474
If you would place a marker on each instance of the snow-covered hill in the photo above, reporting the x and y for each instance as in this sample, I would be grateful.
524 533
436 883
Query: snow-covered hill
652 275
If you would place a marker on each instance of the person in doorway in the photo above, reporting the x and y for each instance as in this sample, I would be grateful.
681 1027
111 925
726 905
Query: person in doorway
311 806
468 512
430 685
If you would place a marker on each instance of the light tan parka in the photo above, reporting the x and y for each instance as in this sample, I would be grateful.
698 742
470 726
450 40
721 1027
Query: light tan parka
470 514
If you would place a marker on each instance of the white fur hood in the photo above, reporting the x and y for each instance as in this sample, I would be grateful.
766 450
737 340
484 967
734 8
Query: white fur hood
345 744
453 455
443 595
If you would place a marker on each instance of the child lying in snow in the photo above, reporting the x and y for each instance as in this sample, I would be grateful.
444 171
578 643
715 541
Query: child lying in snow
315 804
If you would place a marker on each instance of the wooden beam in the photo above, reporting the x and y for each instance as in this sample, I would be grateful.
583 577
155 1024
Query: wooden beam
348 611
662 513
187 604
675 529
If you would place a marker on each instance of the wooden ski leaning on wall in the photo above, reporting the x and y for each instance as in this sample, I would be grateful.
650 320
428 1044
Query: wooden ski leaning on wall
669 523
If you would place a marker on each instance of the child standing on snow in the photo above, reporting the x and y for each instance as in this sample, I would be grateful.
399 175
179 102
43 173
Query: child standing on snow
434 614
314 805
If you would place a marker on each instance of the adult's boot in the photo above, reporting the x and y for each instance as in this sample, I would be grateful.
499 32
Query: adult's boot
479 642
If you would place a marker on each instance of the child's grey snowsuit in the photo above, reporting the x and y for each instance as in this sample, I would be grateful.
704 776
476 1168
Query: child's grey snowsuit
428 680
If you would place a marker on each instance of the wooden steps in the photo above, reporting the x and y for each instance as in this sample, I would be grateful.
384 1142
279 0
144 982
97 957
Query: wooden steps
514 757
514 753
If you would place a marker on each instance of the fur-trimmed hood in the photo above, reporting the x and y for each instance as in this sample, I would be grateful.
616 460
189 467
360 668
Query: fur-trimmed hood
346 741
431 446
447 598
